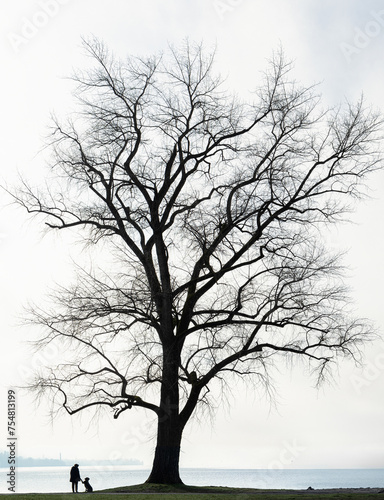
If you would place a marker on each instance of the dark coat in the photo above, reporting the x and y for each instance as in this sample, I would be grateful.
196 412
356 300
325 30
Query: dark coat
75 474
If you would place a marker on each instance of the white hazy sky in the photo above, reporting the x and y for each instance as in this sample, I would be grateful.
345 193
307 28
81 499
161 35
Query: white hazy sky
339 43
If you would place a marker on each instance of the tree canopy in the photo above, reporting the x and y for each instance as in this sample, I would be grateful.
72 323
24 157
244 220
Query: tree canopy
214 207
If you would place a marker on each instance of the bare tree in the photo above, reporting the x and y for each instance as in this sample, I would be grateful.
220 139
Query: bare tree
215 209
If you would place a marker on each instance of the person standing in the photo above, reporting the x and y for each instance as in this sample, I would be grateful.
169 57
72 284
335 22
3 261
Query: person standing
74 477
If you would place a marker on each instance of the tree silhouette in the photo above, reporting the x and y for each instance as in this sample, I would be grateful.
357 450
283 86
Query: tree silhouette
213 208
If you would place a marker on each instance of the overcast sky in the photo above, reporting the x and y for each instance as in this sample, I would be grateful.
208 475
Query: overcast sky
339 43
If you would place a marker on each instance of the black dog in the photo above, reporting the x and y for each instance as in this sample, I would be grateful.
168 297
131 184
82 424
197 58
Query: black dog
88 487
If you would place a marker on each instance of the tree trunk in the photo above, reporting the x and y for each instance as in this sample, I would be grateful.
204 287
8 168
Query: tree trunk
165 468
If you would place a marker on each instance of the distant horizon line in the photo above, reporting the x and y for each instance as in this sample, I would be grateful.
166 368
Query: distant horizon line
22 461
136 462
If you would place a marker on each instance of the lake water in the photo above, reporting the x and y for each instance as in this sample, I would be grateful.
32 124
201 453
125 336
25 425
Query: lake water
56 479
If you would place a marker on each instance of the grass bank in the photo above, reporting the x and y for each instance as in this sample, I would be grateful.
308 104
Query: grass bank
183 492
196 496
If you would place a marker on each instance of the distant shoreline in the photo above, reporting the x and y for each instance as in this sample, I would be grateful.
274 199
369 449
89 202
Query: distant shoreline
52 462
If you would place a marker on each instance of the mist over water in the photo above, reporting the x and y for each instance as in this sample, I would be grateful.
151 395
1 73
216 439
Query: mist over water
56 479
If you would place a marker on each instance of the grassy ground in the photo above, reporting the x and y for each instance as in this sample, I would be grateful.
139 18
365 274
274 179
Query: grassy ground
198 496
162 492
